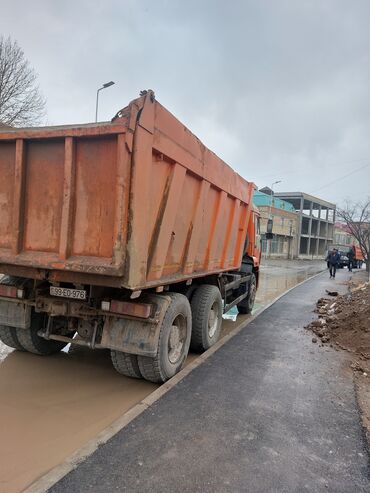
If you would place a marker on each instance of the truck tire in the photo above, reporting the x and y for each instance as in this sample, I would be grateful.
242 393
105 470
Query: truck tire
173 344
8 335
246 305
206 308
35 344
126 364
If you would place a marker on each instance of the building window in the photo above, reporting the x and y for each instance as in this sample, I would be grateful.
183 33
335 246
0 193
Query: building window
263 243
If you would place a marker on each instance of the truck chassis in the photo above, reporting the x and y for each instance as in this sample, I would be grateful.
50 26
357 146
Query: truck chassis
32 319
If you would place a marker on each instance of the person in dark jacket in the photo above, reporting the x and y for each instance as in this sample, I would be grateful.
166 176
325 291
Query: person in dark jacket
333 261
327 258
351 258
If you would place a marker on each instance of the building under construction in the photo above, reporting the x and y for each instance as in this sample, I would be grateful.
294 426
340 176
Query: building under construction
315 223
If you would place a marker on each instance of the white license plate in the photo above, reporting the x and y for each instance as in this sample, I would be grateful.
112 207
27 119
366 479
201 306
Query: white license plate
76 294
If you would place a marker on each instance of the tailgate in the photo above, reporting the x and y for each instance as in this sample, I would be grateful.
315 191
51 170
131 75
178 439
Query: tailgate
63 198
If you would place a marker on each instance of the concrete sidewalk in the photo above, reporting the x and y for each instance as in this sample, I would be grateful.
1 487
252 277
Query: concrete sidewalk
268 412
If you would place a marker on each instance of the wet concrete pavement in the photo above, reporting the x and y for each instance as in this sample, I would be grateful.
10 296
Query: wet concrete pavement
268 412
51 406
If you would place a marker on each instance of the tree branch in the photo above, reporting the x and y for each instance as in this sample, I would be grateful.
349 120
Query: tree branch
21 101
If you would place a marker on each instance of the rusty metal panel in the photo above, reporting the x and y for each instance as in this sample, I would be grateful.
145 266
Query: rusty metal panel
43 195
183 227
210 210
7 169
95 197
62 131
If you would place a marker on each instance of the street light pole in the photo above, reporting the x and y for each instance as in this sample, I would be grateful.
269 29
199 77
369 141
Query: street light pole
104 86
272 193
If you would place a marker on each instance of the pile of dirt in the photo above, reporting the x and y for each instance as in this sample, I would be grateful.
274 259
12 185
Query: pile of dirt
344 322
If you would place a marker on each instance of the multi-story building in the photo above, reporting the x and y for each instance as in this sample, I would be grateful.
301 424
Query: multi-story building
315 223
284 225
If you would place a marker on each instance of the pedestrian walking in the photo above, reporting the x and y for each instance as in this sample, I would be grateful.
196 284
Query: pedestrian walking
327 258
333 261
351 258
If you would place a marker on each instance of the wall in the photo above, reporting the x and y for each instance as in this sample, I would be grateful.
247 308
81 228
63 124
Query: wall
285 229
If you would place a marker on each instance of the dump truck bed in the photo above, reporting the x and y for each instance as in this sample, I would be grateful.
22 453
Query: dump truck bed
137 202
358 253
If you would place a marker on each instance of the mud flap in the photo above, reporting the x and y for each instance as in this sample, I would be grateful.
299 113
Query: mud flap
136 336
14 314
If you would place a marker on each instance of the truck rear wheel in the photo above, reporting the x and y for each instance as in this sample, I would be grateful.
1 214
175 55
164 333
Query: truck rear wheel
8 335
173 344
246 305
206 307
126 364
33 343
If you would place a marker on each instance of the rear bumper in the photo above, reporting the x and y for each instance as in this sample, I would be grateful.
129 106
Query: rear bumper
125 333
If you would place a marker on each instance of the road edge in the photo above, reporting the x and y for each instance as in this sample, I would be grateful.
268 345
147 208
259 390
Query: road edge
47 480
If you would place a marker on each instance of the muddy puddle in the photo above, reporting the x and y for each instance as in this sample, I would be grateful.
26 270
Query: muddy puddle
51 406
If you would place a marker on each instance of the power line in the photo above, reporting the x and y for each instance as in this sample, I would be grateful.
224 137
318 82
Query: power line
342 177
294 169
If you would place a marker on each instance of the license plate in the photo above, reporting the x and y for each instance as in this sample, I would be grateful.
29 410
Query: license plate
76 294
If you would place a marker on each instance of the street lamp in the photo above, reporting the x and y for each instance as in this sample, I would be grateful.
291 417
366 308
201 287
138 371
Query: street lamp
272 193
104 86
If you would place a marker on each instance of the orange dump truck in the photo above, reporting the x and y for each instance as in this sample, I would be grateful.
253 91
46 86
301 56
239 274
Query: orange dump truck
129 235
358 257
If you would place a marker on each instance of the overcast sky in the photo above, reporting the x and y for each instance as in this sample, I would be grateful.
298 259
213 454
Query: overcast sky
279 89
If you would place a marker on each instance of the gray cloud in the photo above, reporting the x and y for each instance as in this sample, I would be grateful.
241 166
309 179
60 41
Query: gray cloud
279 89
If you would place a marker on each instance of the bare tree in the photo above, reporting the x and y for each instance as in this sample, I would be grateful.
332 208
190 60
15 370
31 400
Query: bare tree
21 102
357 218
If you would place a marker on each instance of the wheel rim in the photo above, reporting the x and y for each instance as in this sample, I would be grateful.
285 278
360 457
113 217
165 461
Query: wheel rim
213 320
176 339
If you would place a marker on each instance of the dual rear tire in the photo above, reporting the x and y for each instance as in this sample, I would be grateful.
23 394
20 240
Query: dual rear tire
126 364
28 339
8 336
173 346
196 324
33 343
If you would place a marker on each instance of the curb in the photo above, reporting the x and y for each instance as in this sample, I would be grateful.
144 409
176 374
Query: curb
42 484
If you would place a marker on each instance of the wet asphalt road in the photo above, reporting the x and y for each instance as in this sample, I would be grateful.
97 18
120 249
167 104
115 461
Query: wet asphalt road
268 412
